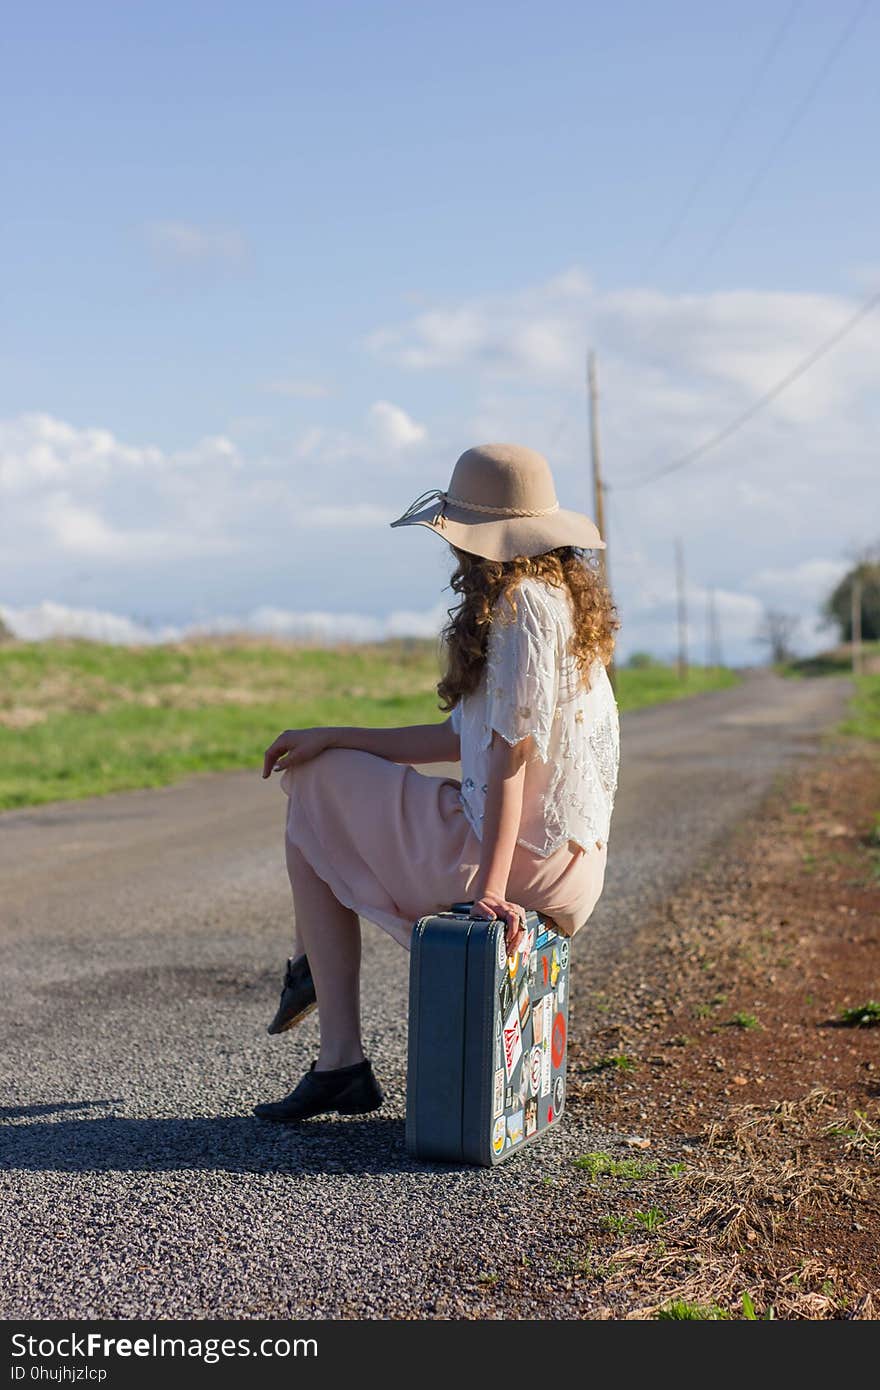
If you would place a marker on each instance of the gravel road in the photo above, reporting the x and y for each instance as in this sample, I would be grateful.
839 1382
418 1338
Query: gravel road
143 935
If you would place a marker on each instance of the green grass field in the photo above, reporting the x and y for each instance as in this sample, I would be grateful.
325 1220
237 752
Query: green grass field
654 685
82 718
863 716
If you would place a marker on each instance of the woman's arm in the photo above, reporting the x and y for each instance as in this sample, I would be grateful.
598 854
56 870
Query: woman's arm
415 743
501 818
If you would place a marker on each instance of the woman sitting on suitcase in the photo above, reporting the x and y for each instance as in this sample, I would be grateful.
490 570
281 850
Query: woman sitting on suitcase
534 722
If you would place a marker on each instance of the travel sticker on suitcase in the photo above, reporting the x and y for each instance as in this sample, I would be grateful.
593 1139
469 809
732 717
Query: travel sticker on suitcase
534 1035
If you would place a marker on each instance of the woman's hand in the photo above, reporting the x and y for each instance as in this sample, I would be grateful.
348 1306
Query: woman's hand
295 746
493 905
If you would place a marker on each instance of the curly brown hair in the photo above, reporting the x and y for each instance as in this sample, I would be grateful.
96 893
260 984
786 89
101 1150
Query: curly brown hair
482 583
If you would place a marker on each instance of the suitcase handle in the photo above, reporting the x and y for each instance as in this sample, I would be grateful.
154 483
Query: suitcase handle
459 909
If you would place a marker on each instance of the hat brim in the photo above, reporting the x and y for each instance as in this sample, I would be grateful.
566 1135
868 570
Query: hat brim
507 537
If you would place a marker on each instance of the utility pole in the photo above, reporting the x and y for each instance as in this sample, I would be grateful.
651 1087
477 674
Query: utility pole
713 631
596 459
716 633
856 623
682 612
598 485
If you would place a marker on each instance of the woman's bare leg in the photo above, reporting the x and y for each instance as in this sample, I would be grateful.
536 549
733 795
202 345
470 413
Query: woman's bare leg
330 935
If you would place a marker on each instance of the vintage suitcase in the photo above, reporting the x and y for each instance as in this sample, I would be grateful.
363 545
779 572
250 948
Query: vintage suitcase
487 1037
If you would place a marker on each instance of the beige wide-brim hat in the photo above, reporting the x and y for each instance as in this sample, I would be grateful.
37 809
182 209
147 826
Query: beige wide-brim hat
501 502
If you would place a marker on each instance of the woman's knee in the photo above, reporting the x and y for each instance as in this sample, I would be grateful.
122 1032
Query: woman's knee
301 778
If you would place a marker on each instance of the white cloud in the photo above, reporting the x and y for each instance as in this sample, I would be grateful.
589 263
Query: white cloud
297 388
82 531
746 340
84 493
811 580
48 619
72 495
536 330
675 346
37 450
187 245
392 426
345 627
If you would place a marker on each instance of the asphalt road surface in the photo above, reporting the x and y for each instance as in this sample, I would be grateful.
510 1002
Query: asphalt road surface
143 938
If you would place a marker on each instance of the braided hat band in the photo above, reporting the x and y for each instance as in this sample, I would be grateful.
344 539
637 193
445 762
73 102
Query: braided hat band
448 497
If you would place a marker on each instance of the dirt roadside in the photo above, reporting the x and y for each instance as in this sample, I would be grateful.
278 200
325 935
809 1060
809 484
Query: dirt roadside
739 1177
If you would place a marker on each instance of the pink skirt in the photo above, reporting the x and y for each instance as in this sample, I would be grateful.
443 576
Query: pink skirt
396 845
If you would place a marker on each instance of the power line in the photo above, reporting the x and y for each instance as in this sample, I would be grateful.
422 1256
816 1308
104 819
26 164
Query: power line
708 167
805 365
788 130
748 414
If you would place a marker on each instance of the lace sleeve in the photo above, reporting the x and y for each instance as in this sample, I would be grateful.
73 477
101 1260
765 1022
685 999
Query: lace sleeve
455 718
521 676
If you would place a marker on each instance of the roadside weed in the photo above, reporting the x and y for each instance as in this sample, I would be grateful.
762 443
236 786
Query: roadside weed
750 1313
743 1020
867 1016
650 1219
619 1224
602 1165
679 1310
619 1061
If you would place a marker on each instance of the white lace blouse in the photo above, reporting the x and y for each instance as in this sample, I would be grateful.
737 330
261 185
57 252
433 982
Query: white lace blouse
532 685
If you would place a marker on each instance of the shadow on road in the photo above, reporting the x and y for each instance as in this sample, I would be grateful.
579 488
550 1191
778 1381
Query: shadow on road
228 1144
52 1107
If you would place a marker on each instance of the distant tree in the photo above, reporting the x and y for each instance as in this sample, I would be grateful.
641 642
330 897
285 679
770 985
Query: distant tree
776 631
641 661
6 634
837 608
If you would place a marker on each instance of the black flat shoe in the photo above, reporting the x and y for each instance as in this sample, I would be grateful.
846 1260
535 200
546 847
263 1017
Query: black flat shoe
347 1090
298 996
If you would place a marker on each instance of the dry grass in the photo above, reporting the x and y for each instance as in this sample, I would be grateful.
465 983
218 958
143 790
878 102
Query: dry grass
859 1136
759 1171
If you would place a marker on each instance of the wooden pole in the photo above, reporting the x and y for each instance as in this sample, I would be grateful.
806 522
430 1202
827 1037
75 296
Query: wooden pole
856 623
682 612
716 633
713 639
596 459
598 485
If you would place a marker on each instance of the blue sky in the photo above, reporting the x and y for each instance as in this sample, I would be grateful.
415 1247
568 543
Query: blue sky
269 268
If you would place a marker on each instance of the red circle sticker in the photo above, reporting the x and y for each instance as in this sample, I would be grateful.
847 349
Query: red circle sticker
558 1042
